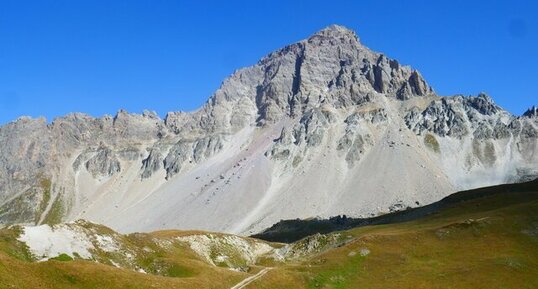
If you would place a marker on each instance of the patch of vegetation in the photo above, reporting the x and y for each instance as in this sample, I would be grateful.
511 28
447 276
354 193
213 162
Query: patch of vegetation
56 212
20 209
178 271
232 258
62 258
12 247
71 278
431 142
297 160
46 186
340 276
282 154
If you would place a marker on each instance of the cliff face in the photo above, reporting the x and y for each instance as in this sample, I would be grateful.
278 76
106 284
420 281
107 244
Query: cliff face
321 127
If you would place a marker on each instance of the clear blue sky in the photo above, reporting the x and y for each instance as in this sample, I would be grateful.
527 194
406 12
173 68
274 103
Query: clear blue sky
92 56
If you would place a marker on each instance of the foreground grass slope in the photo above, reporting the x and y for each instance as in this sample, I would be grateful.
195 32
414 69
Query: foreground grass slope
486 238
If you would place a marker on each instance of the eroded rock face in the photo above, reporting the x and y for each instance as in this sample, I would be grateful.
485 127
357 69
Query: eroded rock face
459 116
445 117
358 139
191 152
205 147
322 126
177 156
104 163
152 163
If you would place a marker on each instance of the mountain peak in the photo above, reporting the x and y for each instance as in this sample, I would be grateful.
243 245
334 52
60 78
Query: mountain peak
336 31
531 112
331 67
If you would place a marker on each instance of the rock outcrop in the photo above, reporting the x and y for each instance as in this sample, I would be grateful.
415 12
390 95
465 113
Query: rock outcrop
103 164
531 112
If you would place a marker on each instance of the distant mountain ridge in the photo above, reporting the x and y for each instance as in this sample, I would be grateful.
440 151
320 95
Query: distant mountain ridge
321 127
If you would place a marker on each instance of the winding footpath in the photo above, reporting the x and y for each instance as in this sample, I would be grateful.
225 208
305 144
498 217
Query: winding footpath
251 279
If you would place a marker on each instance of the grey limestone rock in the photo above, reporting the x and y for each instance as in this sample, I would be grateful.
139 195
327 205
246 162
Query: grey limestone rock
206 147
483 104
312 127
104 163
357 139
152 163
458 116
176 158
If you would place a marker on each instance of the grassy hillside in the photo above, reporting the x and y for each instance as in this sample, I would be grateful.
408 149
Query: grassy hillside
488 238
485 238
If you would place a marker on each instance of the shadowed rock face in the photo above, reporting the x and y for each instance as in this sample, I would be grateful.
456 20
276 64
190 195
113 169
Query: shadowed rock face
321 127
531 112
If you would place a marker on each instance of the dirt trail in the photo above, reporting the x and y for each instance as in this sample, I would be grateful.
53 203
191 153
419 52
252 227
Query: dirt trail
247 281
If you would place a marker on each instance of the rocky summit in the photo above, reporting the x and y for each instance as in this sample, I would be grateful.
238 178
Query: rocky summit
319 128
